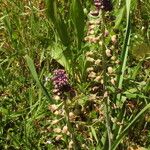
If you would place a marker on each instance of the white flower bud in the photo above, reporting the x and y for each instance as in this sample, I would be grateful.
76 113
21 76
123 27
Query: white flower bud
92 97
97 21
90 53
48 142
71 115
58 137
97 79
55 122
86 38
70 144
102 81
57 112
105 94
108 52
117 61
110 70
56 97
112 81
114 39
57 130
91 32
90 69
92 75
65 129
97 62
91 22
53 107
106 33
113 58
100 43
90 59
91 27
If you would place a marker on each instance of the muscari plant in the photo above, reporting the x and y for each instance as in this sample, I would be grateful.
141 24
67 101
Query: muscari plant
66 49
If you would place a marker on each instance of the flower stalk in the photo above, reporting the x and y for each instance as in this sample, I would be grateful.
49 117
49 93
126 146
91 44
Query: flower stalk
105 90
70 128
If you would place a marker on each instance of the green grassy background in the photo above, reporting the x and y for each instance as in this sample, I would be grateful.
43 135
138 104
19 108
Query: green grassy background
28 37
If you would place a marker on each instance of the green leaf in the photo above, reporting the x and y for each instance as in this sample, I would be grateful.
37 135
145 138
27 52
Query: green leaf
124 53
94 134
77 15
136 71
58 55
35 76
58 22
62 31
131 93
119 17
51 10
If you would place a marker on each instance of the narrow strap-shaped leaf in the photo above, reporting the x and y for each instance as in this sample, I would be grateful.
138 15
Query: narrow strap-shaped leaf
94 134
77 16
119 17
124 53
58 22
35 76
62 31
51 10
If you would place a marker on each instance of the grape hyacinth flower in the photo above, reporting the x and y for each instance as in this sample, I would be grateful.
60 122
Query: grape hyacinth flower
105 5
61 83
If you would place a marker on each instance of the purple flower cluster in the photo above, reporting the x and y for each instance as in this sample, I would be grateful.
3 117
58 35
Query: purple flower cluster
60 79
61 83
103 4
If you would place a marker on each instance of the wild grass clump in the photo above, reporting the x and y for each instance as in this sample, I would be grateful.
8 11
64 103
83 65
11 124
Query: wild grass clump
74 74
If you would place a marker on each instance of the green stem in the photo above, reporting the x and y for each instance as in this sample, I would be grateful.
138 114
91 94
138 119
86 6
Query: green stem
70 128
106 99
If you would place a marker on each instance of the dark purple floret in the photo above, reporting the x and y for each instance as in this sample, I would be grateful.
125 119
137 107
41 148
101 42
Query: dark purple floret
103 4
59 72
60 79
61 83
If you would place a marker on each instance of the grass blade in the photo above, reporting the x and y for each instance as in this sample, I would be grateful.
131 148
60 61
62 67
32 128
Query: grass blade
58 22
124 53
118 140
35 76
77 16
